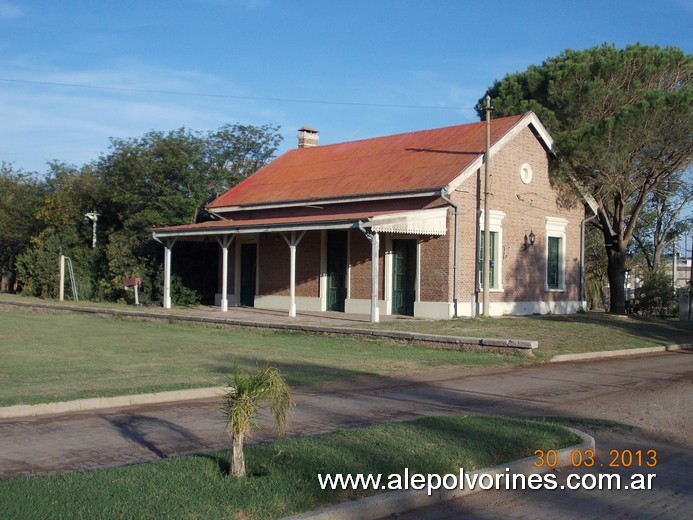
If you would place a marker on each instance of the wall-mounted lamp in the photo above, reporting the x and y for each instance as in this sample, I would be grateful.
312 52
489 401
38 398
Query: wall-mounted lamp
529 240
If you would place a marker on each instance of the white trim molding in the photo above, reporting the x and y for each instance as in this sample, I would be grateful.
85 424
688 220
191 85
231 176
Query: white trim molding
555 228
526 173
495 226
419 222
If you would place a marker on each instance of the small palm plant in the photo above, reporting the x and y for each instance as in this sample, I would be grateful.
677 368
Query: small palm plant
242 405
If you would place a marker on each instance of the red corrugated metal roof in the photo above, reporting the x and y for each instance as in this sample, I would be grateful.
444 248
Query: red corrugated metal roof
415 161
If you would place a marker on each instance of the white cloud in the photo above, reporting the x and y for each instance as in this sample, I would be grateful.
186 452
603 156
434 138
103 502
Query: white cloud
49 120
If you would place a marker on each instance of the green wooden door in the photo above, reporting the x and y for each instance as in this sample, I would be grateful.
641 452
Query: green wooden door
403 276
336 270
248 274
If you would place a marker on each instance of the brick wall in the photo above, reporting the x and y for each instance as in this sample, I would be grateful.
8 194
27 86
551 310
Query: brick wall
275 262
308 256
526 207
360 261
436 254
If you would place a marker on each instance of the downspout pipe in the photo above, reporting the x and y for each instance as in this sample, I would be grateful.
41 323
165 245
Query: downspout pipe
445 195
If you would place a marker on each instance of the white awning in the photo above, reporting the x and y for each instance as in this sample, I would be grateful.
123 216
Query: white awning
419 222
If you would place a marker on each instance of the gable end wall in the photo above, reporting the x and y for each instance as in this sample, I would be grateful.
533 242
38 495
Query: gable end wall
526 207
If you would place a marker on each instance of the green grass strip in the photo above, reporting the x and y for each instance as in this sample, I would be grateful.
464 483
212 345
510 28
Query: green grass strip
561 334
282 475
57 357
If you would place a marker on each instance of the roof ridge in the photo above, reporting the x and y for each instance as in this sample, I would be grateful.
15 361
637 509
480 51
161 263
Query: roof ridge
412 132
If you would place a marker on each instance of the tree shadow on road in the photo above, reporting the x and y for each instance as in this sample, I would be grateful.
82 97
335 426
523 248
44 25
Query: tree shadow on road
153 433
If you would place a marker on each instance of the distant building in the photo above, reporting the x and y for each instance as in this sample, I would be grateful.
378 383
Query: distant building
682 275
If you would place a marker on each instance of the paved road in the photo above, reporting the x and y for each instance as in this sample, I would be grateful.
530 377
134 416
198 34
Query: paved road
650 392
663 412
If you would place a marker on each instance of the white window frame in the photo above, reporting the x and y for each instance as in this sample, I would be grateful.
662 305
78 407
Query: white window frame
555 228
495 226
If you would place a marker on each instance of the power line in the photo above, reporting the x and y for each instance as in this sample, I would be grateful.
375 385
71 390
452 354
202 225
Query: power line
228 96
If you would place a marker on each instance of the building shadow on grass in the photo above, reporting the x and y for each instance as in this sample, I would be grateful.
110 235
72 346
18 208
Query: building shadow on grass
664 331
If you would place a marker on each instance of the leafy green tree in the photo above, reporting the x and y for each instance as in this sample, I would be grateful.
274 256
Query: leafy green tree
596 276
38 266
622 121
71 192
235 152
126 258
656 296
20 199
155 180
165 179
241 405
663 220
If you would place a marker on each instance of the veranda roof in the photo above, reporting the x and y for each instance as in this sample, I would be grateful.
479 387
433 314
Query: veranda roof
422 221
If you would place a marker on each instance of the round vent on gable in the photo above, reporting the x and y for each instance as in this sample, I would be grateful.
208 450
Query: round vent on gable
526 173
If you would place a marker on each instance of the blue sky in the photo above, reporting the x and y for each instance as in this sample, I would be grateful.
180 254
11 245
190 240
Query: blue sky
338 66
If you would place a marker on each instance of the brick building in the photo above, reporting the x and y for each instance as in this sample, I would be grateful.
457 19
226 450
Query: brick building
394 225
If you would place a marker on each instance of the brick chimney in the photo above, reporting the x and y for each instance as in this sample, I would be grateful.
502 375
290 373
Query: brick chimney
307 137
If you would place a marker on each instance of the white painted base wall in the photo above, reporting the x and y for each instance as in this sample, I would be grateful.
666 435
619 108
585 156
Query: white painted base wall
520 308
273 302
434 310
362 306
426 310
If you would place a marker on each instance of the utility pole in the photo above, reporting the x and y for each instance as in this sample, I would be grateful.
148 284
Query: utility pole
690 287
61 290
94 217
487 215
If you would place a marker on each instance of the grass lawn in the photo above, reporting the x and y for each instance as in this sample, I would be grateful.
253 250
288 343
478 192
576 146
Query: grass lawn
282 475
55 357
569 334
